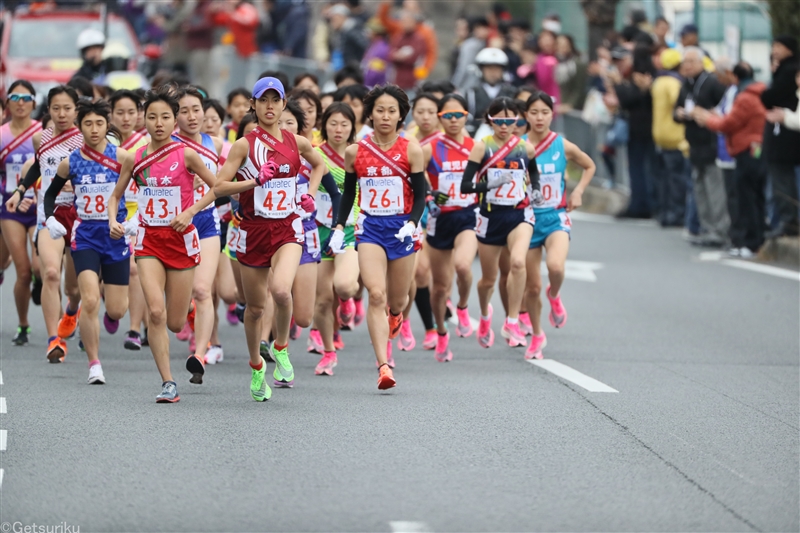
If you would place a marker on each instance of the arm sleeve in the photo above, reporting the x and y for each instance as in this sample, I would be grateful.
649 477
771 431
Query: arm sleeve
222 200
348 198
51 194
419 186
333 190
468 184
32 175
533 174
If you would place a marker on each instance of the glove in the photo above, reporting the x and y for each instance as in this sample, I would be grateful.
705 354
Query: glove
268 171
308 205
131 227
433 208
536 198
499 181
336 242
440 197
55 228
407 230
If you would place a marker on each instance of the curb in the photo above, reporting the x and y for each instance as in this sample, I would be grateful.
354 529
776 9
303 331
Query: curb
784 250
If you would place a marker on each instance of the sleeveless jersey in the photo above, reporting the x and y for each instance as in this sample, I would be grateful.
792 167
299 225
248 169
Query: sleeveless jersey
276 198
48 163
93 184
11 168
166 188
445 171
552 164
510 195
324 204
130 192
383 191
210 164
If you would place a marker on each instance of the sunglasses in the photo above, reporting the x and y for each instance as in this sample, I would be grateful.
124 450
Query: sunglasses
447 115
522 122
505 121
16 97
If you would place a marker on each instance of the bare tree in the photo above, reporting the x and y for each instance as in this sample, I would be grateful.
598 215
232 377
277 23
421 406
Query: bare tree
785 15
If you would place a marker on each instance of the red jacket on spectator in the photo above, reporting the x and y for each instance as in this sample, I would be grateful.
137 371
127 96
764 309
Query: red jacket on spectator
243 23
411 47
744 125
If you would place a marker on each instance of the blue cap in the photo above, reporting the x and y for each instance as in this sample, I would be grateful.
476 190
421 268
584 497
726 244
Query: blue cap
265 84
688 29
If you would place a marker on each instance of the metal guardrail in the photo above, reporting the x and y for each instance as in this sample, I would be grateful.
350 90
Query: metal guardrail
591 139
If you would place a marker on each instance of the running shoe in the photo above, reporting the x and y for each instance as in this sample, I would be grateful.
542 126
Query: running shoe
184 334
450 309
265 351
231 315
443 353
406 342
240 312
56 350
525 325
338 342
191 315
259 389
214 355
81 347
464 327
485 333
389 358
326 364
430 340
21 338
111 325
385 378
359 316
68 324
513 335
145 340
169 393
284 373
558 315
36 291
395 324
96 376
315 342
294 330
534 351
192 343
195 367
347 311
133 341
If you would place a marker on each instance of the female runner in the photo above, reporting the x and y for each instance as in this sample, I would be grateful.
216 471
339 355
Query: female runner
266 163
312 108
53 145
505 166
390 176
451 233
93 171
16 147
167 244
552 230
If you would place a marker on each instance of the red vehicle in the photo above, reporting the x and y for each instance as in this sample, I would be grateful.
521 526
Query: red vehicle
41 46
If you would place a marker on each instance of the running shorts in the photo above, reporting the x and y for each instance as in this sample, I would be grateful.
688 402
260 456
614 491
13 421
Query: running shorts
312 244
207 223
493 227
27 219
381 231
548 222
443 230
176 251
325 235
94 236
66 214
118 273
258 241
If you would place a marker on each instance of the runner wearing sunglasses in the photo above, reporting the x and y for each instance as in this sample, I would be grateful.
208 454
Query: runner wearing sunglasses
451 227
93 171
16 147
505 167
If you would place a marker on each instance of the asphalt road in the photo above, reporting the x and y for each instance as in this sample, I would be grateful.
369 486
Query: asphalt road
702 434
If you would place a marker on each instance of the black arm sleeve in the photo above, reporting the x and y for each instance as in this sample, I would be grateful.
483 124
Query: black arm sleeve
333 191
533 174
222 201
50 195
420 186
468 184
349 196
32 175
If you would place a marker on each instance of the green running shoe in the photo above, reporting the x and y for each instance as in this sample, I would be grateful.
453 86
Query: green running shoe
259 389
284 373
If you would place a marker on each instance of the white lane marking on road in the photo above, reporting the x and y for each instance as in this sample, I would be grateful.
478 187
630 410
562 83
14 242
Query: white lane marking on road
763 269
1 377
577 270
3 439
409 527
1 478
711 256
582 216
2 406
570 374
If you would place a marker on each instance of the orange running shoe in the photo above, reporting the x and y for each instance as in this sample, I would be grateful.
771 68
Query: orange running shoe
57 350
395 324
191 315
68 324
197 368
385 378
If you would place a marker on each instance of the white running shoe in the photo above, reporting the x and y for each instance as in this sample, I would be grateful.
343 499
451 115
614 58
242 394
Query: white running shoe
96 376
214 355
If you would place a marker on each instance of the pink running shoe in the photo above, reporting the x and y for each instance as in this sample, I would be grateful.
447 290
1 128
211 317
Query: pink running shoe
406 340
315 342
338 342
514 336
231 315
346 311
183 335
464 327
443 353
359 316
525 325
294 330
485 333
430 340
534 351
558 315
389 358
326 364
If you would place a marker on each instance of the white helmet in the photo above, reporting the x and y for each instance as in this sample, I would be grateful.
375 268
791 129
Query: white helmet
90 37
491 56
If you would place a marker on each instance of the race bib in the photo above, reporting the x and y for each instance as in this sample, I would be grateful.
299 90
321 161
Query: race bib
302 188
312 242
192 242
382 196
200 191
530 217
450 182
431 229
510 193
276 198
481 224
324 209
550 185
233 238
130 192
13 172
159 205
91 200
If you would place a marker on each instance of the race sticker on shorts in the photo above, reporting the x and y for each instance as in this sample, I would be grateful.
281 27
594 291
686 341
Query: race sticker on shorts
312 242
233 237
130 192
241 242
139 238
382 196
550 185
481 224
13 172
450 182
91 200
566 223
192 242
276 198
510 193
431 229
530 217
201 191
324 209
159 205
359 228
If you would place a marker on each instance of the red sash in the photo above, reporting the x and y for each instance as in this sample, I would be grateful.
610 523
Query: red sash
368 144
452 143
135 137
155 156
332 156
97 157
500 154
55 141
276 145
199 148
19 139
546 142
430 138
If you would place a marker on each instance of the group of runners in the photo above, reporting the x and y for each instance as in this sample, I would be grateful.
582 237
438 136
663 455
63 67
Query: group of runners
288 214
